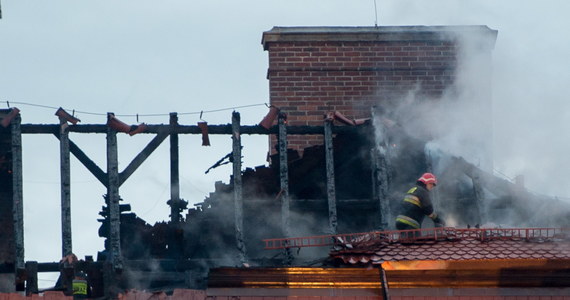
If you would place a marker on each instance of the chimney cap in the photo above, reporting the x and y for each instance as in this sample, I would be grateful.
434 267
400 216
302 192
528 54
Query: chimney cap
374 33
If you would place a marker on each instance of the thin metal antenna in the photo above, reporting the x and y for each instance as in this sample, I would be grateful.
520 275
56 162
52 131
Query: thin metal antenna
375 14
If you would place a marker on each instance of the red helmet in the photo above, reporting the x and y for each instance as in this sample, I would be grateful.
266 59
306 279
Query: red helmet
428 178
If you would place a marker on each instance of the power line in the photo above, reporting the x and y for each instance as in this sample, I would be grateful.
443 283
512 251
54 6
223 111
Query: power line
135 115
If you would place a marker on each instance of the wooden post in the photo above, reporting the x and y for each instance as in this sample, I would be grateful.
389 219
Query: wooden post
238 193
65 173
331 190
174 171
379 157
17 192
110 282
284 182
31 277
113 195
479 198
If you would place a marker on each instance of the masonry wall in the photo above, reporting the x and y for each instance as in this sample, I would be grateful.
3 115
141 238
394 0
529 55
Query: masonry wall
313 71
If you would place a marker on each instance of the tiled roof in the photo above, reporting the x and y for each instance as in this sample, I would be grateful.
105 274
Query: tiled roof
454 244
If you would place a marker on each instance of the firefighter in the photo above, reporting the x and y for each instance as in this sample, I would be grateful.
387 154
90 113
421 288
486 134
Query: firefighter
417 204
72 280
80 285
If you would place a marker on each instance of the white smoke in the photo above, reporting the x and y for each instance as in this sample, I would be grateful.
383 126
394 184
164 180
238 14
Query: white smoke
460 122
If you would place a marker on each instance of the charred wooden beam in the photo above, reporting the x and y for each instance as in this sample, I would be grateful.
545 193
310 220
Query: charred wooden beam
479 198
65 175
86 161
380 184
17 192
141 157
31 277
113 196
187 129
174 170
110 281
129 170
237 182
383 187
284 182
331 190
176 206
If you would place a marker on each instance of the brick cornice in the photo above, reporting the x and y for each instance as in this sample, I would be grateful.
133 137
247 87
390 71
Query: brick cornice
377 34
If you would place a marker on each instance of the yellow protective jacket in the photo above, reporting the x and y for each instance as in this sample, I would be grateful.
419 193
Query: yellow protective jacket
415 206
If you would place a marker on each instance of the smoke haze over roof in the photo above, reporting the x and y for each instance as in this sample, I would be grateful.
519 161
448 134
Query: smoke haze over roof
143 57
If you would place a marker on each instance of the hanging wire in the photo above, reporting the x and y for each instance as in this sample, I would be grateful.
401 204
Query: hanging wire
222 109
136 114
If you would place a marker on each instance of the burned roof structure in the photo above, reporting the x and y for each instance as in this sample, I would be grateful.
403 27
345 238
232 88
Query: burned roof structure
345 144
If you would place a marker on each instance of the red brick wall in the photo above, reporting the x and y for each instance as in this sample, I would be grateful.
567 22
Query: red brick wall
313 71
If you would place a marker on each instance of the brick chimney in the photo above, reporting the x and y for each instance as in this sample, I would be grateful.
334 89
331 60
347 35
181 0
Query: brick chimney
315 70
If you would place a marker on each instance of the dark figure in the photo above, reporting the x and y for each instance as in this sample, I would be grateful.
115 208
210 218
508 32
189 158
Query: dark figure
72 280
417 204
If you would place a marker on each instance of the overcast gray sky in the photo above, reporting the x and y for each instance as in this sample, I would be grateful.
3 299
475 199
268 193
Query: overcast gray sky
155 57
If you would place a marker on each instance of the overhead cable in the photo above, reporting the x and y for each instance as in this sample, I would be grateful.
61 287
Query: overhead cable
137 114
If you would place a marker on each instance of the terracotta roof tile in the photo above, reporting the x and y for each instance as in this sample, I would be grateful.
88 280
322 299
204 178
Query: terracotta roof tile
473 244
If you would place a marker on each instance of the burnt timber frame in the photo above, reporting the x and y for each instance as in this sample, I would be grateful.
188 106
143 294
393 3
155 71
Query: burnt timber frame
17 193
112 179
380 165
238 191
331 190
284 182
66 247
